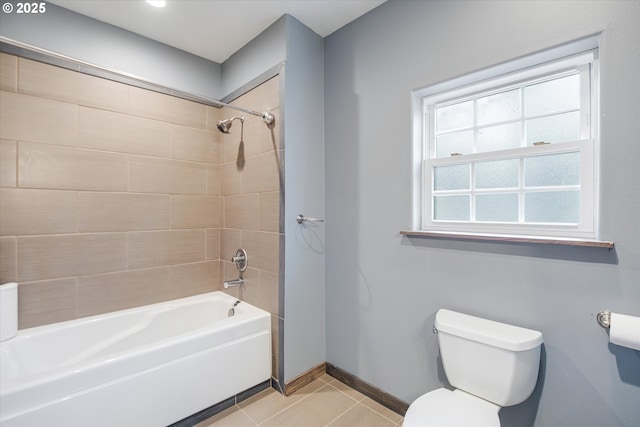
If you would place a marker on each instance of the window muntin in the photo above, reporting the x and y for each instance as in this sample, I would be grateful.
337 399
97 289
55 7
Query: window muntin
515 157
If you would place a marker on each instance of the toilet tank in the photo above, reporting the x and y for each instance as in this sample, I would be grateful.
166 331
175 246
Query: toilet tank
491 360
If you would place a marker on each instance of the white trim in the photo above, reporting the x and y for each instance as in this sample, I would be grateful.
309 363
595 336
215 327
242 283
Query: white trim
530 69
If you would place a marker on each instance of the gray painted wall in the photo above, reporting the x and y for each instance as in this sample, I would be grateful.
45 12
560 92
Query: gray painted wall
77 36
266 50
303 107
304 328
382 290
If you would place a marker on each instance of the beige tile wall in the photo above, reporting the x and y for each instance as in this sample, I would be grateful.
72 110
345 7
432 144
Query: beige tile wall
109 194
251 198
113 196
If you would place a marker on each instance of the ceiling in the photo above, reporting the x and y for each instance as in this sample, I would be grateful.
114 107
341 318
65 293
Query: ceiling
215 29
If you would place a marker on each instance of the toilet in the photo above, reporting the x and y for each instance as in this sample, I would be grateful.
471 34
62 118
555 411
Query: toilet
490 364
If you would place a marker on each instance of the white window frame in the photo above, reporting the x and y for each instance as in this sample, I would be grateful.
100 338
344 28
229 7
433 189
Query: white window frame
568 58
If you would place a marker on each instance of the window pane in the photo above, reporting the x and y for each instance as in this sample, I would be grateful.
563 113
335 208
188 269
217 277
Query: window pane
499 137
451 208
497 174
552 170
457 142
454 116
497 207
499 107
556 206
553 95
451 177
557 128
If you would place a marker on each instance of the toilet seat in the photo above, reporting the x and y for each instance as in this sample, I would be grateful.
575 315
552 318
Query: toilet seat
446 408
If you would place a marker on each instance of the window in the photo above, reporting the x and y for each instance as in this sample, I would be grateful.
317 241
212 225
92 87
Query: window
513 154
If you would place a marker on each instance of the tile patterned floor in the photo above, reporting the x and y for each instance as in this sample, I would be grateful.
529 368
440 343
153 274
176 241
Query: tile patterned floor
324 402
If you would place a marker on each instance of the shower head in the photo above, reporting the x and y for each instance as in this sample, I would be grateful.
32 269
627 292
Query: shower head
225 125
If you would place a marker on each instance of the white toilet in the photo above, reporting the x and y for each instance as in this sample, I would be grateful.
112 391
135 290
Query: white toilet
490 364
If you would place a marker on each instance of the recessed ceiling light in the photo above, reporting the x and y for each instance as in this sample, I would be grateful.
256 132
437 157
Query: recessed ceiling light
157 3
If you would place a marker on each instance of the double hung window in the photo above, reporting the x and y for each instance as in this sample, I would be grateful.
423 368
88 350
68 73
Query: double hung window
514 154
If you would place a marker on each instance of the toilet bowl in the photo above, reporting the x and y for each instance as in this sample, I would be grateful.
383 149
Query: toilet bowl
490 364
446 408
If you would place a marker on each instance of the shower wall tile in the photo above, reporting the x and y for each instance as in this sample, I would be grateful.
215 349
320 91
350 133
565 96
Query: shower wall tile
109 131
8 259
48 301
53 257
28 118
257 137
250 188
158 248
193 144
270 211
48 166
242 212
264 250
151 175
8 72
99 212
24 212
270 140
264 97
214 179
230 242
117 291
230 147
196 278
277 325
91 192
261 174
214 115
213 244
8 163
48 81
269 291
195 212
167 108
231 179
126 189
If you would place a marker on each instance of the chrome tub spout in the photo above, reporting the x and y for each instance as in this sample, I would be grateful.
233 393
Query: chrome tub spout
236 282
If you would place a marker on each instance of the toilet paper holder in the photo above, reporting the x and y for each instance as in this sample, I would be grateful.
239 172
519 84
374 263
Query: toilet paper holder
604 319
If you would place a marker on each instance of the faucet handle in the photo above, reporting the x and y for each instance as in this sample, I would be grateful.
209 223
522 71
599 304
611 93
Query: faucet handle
240 260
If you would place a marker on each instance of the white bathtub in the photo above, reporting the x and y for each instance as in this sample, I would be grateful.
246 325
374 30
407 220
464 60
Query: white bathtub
146 366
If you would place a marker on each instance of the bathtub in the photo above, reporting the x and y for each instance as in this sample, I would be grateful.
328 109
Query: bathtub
146 366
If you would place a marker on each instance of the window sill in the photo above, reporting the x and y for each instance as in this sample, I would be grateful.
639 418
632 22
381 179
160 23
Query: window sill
509 238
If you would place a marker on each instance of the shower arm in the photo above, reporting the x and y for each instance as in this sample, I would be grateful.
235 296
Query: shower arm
267 117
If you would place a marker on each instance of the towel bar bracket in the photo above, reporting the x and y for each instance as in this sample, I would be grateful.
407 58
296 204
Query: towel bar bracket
604 319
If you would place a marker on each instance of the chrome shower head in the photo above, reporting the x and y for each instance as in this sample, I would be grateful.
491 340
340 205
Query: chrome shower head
225 125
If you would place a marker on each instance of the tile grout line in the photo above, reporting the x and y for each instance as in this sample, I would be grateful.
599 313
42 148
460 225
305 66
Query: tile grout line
336 418
289 406
378 413
256 423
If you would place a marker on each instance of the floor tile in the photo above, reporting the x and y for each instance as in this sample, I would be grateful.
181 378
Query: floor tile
381 409
354 394
269 402
360 415
317 410
232 417
326 402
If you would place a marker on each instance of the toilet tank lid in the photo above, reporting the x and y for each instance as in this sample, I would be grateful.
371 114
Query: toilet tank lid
489 332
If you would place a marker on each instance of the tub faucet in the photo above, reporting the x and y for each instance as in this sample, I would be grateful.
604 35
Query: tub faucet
236 282
232 310
241 261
